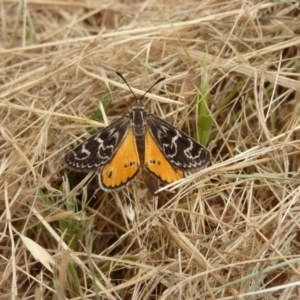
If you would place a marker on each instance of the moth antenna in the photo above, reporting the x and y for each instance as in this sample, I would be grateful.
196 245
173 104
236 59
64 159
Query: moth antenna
120 75
158 81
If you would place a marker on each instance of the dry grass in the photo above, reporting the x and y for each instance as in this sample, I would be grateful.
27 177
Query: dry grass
230 231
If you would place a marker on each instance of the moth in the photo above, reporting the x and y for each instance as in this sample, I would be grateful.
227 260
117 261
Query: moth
138 142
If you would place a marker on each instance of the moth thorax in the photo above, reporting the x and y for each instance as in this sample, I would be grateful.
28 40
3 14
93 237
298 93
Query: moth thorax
138 122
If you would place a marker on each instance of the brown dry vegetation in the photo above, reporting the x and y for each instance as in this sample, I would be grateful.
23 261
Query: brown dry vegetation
229 231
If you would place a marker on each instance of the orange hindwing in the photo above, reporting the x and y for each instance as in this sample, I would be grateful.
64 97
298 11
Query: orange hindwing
124 166
156 163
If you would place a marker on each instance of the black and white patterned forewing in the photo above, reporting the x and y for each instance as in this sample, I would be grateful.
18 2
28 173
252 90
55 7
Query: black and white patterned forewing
182 151
99 149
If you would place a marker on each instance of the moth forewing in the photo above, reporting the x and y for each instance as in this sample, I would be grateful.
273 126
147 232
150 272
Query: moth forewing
183 152
99 149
